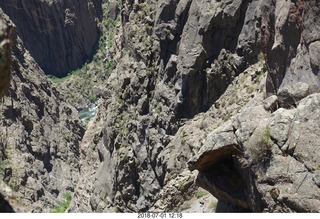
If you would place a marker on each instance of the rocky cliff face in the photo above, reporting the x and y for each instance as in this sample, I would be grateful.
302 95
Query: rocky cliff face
39 135
5 74
190 84
227 88
60 35
176 71
271 148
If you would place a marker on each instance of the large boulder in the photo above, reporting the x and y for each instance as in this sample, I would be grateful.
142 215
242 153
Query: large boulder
264 162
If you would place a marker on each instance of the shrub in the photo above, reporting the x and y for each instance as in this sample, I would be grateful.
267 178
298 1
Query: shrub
213 204
63 206
259 146
201 193
261 57
92 98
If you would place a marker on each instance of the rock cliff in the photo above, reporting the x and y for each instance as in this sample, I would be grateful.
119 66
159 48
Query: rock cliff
39 134
218 94
191 83
5 74
174 61
60 35
271 148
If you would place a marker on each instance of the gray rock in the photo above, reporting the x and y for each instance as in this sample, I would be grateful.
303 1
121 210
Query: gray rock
5 73
39 135
289 96
271 103
286 180
64 33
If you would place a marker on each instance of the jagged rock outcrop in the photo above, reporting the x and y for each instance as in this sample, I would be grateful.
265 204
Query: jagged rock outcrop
228 88
291 43
172 64
189 82
260 161
39 135
267 161
60 35
5 76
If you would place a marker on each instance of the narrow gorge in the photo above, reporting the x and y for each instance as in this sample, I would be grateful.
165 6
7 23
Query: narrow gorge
159 106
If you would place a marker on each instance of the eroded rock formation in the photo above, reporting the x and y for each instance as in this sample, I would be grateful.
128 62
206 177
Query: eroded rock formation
181 73
60 35
273 154
39 134
5 54
228 88
172 64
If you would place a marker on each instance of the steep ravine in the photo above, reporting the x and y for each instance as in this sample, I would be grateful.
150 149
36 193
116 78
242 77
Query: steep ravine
174 97
217 94
167 72
39 135
60 35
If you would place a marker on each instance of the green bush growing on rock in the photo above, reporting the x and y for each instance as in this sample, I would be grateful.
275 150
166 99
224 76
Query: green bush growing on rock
3 165
213 204
92 98
261 57
201 193
259 146
266 136
62 207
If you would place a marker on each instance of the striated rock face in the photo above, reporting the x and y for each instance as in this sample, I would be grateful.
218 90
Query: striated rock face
5 76
39 135
291 43
60 35
227 88
267 161
259 161
5 54
175 59
190 85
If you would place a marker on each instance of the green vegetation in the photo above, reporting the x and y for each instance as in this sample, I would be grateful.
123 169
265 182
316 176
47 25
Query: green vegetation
261 57
78 72
92 98
203 124
260 146
158 108
79 84
14 184
250 90
201 193
266 136
63 206
213 204
3 165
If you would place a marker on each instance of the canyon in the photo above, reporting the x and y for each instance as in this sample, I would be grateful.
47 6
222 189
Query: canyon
201 106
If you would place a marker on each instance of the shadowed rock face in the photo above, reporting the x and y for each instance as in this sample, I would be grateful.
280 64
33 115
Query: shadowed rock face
60 35
174 60
189 85
39 134
4 86
291 43
5 61
5 207
270 159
